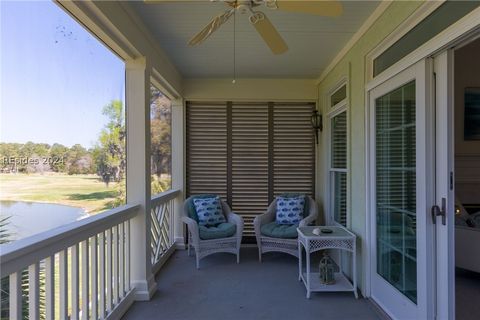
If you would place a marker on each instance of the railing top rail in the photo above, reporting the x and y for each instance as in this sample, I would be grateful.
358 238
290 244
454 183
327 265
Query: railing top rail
165 196
23 252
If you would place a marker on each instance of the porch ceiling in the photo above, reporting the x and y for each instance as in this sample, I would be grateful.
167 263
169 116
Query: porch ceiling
313 41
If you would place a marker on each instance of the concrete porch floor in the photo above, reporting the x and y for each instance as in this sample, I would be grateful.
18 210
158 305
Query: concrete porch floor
222 289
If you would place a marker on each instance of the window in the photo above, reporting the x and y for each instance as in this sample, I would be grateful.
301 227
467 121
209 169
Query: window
338 96
440 19
160 141
62 130
248 153
338 157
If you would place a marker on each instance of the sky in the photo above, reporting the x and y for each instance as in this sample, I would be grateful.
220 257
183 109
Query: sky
55 76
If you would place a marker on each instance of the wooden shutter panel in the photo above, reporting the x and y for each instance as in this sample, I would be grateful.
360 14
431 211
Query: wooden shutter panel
249 152
206 149
249 162
294 149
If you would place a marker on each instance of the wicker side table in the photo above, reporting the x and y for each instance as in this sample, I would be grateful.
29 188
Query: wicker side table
340 239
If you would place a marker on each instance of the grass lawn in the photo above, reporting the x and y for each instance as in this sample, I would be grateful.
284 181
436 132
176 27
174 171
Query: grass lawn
85 191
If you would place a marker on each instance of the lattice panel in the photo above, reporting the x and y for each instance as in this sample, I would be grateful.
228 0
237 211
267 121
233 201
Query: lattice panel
330 244
162 229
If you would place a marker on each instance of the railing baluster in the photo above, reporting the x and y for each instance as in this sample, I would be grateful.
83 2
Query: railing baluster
63 282
85 279
121 260
101 275
15 299
94 276
108 273
127 255
172 222
75 281
50 287
77 271
33 292
115 265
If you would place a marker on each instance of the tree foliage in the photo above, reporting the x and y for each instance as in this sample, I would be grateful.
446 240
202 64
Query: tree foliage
161 133
109 153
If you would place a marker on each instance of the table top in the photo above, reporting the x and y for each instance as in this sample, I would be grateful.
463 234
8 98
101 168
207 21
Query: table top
338 232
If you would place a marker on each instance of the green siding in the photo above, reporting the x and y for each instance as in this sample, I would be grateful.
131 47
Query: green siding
352 67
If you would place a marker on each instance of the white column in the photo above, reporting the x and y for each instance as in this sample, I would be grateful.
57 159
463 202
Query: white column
178 166
138 174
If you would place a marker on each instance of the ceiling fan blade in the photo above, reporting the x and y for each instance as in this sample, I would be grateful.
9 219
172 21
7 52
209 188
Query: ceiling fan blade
268 32
316 7
211 27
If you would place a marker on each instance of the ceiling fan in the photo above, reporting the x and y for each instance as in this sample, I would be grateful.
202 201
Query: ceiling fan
260 21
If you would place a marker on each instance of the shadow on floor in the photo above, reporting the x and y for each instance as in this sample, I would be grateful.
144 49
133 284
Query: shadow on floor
222 289
467 295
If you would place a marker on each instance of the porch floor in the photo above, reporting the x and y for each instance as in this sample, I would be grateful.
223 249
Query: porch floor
222 289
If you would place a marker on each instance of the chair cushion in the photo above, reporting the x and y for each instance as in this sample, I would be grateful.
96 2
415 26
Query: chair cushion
274 230
289 210
223 230
191 208
209 211
306 208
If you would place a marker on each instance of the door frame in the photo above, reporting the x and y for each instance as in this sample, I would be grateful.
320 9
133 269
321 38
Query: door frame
444 183
441 299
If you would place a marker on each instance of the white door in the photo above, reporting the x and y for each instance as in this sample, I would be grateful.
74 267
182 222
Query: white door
401 156
444 186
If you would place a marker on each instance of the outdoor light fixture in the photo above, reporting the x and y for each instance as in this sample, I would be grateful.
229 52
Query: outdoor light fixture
317 123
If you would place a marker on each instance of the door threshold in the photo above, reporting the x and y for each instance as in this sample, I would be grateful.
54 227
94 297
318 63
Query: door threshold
379 310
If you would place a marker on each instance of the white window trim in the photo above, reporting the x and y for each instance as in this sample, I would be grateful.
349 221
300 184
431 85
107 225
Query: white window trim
331 112
453 35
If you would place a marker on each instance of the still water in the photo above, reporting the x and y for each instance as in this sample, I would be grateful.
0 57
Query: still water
29 218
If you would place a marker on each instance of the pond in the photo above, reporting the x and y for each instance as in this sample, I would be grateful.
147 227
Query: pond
29 218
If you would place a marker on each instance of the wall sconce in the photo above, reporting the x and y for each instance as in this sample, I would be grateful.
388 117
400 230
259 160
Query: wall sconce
317 123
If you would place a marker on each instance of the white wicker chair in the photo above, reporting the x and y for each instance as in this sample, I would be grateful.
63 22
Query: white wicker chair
204 248
269 244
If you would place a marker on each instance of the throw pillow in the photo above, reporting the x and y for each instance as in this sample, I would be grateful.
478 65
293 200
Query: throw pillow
289 210
209 211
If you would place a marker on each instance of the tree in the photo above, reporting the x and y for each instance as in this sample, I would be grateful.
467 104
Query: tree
109 153
160 130
58 154
79 160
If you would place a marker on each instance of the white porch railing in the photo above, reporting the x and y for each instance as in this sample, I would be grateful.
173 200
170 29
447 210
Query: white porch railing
162 227
77 271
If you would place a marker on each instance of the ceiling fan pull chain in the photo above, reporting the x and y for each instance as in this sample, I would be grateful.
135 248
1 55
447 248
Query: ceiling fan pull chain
271 4
256 16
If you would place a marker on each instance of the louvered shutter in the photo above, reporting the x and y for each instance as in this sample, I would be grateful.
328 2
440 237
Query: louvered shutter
249 152
249 162
206 149
293 149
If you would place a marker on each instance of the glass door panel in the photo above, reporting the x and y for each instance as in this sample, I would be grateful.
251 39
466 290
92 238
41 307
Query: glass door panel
396 189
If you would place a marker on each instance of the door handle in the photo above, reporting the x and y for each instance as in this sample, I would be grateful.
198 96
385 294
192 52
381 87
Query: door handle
437 211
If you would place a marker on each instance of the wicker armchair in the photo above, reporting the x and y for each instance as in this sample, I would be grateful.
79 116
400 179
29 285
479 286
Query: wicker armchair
286 245
204 248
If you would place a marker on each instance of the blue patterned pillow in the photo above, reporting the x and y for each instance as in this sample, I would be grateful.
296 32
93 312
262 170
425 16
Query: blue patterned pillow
289 210
209 211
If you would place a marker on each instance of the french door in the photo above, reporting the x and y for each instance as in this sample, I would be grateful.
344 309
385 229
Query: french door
401 162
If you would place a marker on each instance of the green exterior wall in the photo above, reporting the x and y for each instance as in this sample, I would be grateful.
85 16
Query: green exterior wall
352 67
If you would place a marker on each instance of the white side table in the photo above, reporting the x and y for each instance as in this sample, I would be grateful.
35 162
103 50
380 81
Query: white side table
341 239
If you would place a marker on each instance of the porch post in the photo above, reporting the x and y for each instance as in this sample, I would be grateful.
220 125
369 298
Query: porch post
138 174
178 166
